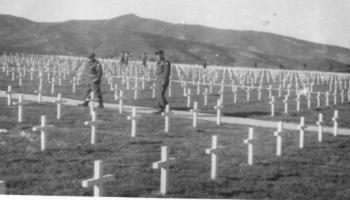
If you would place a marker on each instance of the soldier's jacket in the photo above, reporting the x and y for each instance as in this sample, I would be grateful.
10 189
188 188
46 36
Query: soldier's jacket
94 70
163 71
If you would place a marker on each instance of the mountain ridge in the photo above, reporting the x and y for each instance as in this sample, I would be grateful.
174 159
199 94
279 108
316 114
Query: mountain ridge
182 43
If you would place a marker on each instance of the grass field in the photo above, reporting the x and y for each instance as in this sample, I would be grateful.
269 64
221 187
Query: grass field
319 171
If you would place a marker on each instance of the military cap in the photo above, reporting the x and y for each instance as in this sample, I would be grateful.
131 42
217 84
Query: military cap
159 52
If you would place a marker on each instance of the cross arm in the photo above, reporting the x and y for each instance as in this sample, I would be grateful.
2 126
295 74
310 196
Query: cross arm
96 181
43 128
163 164
93 122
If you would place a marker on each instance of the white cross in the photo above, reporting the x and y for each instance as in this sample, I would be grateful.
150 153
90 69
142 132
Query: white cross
166 114
195 111
98 180
115 89
39 92
169 89
211 87
52 85
205 96
213 151
301 129
20 108
319 123
60 79
143 83
153 87
9 95
285 101
280 91
335 97
218 108
250 145
43 128
13 75
270 91
335 123
234 90
184 89
121 100
92 102
133 119
326 95
74 82
298 102
308 97
164 164
111 83
259 93
20 76
318 99
198 88
135 93
59 102
222 93
127 83
93 123
188 95
248 94
272 103
277 134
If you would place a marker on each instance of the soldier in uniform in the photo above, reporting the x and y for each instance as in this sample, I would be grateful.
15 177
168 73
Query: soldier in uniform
205 63
94 72
162 80
122 58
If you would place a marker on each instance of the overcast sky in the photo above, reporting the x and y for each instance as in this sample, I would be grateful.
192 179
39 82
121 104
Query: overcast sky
324 21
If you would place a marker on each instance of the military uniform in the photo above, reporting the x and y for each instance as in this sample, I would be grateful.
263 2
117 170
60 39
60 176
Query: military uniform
162 82
144 60
94 71
122 59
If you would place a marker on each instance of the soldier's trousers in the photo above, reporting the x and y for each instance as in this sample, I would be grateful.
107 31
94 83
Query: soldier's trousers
160 94
93 87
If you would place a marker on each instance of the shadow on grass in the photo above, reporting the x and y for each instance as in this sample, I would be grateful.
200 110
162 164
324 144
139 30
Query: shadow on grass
246 114
143 142
181 108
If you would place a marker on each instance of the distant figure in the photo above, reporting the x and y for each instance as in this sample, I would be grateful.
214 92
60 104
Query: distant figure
122 58
205 63
144 59
304 66
94 72
162 80
255 65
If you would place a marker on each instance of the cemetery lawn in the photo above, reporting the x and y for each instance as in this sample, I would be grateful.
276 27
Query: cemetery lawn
319 171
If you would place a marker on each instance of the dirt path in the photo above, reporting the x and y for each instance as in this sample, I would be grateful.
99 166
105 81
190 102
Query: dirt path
186 114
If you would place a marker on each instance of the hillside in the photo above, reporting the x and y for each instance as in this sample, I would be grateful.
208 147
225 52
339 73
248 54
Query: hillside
182 43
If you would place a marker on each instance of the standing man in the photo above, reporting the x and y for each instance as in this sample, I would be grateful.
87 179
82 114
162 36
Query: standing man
144 59
205 63
94 73
122 59
162 80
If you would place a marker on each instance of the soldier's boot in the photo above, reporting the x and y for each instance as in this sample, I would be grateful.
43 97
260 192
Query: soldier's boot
100 104
85 104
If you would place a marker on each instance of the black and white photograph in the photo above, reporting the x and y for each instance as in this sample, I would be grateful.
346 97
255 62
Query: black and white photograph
176 99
